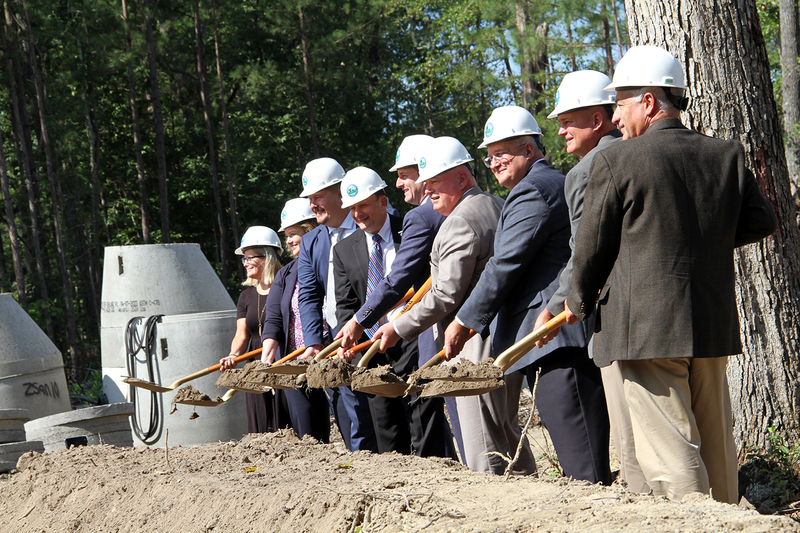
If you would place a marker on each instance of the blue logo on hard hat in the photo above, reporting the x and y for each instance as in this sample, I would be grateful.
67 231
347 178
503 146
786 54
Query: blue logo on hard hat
397 156
352 190
241 243
489 130
283 214
422 162
558 97
305 181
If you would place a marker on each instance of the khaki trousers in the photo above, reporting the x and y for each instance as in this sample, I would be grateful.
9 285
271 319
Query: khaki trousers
682 425
619 417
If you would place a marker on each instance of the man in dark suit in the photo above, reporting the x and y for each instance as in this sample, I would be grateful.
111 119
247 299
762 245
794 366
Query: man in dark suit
663 212
360 262
317 301
410 268
531 248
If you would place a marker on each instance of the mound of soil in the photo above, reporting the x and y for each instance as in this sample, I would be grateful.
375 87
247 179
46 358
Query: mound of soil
463 370
187 392
441 388
276 483
333 372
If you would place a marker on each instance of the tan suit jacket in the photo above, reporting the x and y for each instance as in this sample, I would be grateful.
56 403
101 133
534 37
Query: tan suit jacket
463 246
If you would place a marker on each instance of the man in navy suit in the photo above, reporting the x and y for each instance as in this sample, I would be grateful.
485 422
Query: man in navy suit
531 248
360 262
316 298
411 267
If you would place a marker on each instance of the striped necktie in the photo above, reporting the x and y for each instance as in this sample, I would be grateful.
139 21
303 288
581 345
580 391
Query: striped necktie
375 274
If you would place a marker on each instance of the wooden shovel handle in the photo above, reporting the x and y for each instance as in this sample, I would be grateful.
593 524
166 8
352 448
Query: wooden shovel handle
527 343
200 373
291 356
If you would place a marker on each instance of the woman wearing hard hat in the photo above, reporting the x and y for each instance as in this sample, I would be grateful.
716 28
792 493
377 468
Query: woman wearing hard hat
260 250
308 408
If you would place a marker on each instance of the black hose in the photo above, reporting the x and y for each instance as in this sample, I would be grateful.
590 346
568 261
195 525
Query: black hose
146 343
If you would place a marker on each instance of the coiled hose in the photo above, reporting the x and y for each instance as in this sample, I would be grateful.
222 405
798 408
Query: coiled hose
146 343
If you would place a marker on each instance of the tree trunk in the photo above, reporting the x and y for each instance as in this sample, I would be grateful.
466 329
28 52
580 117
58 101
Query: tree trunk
526 68
312 118
790 83
722 50
137 137
51 178
223 108
20 119
158 123
12 230
616 30
202 76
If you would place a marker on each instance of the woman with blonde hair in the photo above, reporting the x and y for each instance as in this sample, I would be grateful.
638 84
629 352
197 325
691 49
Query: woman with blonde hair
260 250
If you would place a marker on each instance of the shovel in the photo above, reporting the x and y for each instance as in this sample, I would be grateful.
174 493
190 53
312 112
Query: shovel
149 385
470 386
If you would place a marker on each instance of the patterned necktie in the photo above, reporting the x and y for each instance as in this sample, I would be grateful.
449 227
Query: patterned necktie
375 274
330 294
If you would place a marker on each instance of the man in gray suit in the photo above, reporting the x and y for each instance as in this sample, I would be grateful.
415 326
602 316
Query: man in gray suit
662 215
531 249
584 110
461 249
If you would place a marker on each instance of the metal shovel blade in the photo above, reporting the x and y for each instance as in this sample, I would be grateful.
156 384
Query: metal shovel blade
142 384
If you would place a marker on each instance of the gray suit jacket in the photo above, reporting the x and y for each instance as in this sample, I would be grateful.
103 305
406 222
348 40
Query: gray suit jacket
531 248
663 213
461 249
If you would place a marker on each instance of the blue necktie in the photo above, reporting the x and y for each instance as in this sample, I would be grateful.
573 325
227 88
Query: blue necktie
375 274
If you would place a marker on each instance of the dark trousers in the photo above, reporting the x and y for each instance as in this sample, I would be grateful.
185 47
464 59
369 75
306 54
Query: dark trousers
309 412
572 406
267 412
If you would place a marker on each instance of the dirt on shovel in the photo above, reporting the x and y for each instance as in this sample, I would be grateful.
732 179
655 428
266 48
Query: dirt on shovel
330 373
464 370
190 395
381 381
252 373
441 388
293 367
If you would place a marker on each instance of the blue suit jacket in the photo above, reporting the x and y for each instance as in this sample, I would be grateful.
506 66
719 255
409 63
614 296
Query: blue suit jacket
531 248
312 273
279 306
411 266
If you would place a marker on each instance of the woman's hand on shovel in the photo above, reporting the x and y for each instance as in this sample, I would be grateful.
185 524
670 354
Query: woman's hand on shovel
311 351
226 363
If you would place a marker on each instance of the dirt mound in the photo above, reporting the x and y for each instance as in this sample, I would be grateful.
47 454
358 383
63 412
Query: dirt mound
333 372
275 482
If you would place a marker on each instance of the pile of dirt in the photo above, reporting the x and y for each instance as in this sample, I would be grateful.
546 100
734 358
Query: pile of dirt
276 483
229 379
252 374
330 373
441 388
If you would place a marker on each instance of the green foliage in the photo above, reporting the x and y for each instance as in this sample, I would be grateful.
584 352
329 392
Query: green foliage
90 391
771 475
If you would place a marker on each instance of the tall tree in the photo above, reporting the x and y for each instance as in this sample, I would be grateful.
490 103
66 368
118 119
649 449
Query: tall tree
202 74
51 178
722 50
137 136
13 235
790 53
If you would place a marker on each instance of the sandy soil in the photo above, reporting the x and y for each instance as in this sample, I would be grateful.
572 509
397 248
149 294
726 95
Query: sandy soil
275 482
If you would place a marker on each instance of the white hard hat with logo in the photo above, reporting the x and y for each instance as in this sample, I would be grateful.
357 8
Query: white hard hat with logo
648 66
359 184
294 212
257 236
440 156
320 174
584 88
507 122
408 153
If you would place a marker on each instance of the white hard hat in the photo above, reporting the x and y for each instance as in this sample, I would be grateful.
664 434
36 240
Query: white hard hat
440 156
507 122
294 212
320 174
258 236
359 184
584 88
409 150
648 66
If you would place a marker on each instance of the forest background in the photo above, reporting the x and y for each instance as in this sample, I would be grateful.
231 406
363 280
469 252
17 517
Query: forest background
149 121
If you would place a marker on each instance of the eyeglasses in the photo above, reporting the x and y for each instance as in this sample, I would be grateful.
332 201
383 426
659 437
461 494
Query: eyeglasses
246 259
499 155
